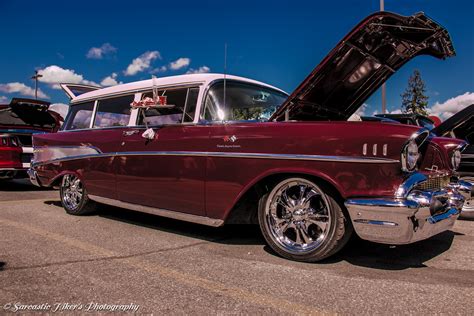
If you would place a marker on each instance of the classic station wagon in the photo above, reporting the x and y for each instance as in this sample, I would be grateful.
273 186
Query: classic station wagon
216 149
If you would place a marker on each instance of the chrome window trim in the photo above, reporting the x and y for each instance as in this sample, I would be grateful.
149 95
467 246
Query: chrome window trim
94 113
321 158
135 91
92 129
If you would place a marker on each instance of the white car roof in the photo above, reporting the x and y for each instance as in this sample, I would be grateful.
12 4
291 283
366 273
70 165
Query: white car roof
164 81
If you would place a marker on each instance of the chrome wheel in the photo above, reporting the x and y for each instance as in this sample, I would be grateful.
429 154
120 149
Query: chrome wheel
468 206
297 216
71 191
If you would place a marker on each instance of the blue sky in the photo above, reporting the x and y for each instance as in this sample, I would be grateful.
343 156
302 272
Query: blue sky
278 42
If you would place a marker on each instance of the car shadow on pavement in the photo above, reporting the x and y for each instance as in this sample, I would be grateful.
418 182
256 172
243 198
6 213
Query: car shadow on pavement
357 252
229 234
386 257
18 185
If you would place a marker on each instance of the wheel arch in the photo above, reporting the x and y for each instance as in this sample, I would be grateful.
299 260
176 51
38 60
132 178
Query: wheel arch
56 181
244 208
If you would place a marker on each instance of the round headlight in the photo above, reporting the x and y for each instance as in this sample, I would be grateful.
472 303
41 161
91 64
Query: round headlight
410 156
456 159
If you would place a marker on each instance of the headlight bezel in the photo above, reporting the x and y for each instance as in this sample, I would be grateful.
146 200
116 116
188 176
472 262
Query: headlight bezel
456 157
409 151
410 156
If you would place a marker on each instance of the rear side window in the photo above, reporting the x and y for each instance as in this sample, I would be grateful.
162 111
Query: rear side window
80 116
183 108
113 111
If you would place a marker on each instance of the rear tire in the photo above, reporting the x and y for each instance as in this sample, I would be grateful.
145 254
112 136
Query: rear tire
74 196
303 221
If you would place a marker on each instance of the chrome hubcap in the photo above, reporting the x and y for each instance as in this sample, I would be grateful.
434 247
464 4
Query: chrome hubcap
468 204
72 191
297 216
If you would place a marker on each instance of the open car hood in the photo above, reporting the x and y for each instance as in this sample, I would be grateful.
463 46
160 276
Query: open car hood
460 125
374 50
28 113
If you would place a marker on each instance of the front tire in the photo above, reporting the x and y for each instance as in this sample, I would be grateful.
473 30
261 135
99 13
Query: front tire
74 196
468 207
303 221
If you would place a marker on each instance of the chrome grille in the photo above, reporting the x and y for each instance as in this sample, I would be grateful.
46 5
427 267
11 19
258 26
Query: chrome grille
434 183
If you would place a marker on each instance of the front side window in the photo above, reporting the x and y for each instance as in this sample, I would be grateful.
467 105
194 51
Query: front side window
80 116
181 107
113 111
243 102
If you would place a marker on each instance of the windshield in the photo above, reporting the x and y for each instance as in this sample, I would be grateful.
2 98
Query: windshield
243 102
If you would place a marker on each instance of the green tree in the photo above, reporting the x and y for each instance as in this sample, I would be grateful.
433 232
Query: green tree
414 99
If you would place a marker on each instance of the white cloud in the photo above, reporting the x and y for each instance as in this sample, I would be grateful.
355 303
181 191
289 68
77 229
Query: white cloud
54 75
101 52
60 108
452 106
3 99
21 88
142 62
159 69
398 111
200 70
180 63
110 80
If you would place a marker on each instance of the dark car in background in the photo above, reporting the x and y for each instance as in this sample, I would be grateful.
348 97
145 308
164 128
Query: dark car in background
461 125
19 121
410 119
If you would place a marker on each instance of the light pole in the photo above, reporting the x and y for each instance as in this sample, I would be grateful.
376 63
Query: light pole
35 77
384 86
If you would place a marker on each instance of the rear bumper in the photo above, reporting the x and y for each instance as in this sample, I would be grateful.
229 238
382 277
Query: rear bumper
33 177
403 220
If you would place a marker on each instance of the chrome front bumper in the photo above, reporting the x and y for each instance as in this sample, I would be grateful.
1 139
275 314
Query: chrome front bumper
33 177
415 216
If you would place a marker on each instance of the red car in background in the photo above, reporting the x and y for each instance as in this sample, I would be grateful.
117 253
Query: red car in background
19 121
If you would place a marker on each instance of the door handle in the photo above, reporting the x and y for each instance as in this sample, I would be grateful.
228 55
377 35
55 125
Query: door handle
130 133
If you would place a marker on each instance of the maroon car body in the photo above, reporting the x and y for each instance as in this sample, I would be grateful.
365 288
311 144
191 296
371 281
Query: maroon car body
306 175
19 120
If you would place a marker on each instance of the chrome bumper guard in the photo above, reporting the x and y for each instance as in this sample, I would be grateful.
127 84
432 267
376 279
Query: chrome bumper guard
415 216
33 177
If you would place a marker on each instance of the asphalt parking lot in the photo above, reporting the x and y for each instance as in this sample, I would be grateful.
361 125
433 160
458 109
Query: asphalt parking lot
119 257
